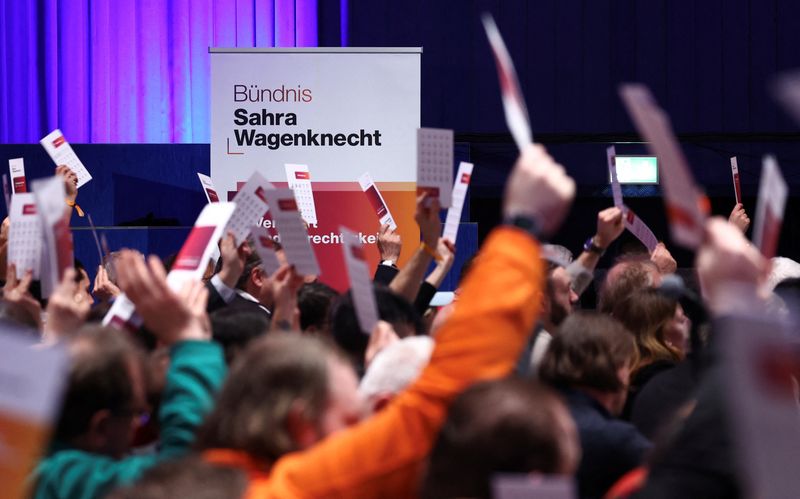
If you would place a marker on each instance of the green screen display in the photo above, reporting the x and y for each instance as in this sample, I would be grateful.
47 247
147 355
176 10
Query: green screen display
637 170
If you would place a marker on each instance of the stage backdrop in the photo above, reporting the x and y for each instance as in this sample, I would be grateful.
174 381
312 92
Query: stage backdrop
340 111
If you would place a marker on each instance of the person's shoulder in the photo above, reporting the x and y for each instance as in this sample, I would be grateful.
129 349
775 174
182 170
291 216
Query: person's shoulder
75 473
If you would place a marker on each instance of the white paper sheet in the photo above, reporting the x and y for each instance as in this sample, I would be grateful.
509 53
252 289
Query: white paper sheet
376 200
292 231
208 187
435 164
358 273
460 187
251 206
57 254
16 168
62 154
737 184
772 193
299 179
25 235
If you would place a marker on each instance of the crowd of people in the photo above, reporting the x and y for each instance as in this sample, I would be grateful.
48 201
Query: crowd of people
252 385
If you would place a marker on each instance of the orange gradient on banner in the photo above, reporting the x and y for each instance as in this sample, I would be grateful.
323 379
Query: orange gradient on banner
20 444
344 204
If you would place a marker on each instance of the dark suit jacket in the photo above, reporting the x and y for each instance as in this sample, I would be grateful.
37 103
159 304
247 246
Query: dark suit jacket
216 302
610 447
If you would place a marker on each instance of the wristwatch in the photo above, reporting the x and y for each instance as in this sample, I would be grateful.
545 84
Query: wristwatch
591 247
527 223
389 263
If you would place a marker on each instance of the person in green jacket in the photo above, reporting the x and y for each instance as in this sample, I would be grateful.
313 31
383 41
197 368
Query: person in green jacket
105 398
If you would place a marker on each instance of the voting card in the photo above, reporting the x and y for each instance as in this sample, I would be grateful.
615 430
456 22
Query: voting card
208 188
299 179
192 259
513 101
772 193
292 231
57 254
435 164
62 154
122 315
737 185
6 193
761 369
376 200
687 207
786 90
25 235
361 289
638 228
251 206
266 249
16 167
32 381
460 187
531 486
616 189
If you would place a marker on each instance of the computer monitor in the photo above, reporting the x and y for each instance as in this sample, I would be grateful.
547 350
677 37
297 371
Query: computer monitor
636 170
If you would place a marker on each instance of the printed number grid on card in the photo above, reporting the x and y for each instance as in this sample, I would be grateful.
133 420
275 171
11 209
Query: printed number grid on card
435 163
292 231
299 179
251 206
62 154
25 236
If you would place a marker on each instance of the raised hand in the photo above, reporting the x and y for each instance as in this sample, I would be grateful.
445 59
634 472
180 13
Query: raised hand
104 290
389 244
609 227
539 187
67 307
171 316
739 218
16 292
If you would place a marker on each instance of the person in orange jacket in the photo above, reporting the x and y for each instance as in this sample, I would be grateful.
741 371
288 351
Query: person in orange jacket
308 453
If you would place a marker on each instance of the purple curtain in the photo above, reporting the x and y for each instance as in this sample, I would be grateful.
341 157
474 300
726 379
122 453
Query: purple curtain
128 70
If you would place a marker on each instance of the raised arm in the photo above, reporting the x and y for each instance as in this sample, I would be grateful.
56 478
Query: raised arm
383 456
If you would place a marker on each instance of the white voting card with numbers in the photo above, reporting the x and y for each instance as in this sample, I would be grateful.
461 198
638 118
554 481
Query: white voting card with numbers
208 188
358 272
16 168
292 231
460 187
251 206
25 235
57 255
376 200
62 154
299 178
265 247
435 163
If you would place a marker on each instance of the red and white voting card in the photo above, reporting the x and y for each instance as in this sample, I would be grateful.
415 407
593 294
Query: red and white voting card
527 486
772 193
513 101
25 235
57 253
31 383
638 228
251 206
633 223
361 288
616 189
208 188
376 200
761 369
16 167
122 315
299 179
463 176
435 164
292 231
266 249
737 184
192 259
62 154
687 207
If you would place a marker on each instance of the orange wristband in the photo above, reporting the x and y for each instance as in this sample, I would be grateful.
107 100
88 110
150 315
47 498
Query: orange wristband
73 204
432 252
